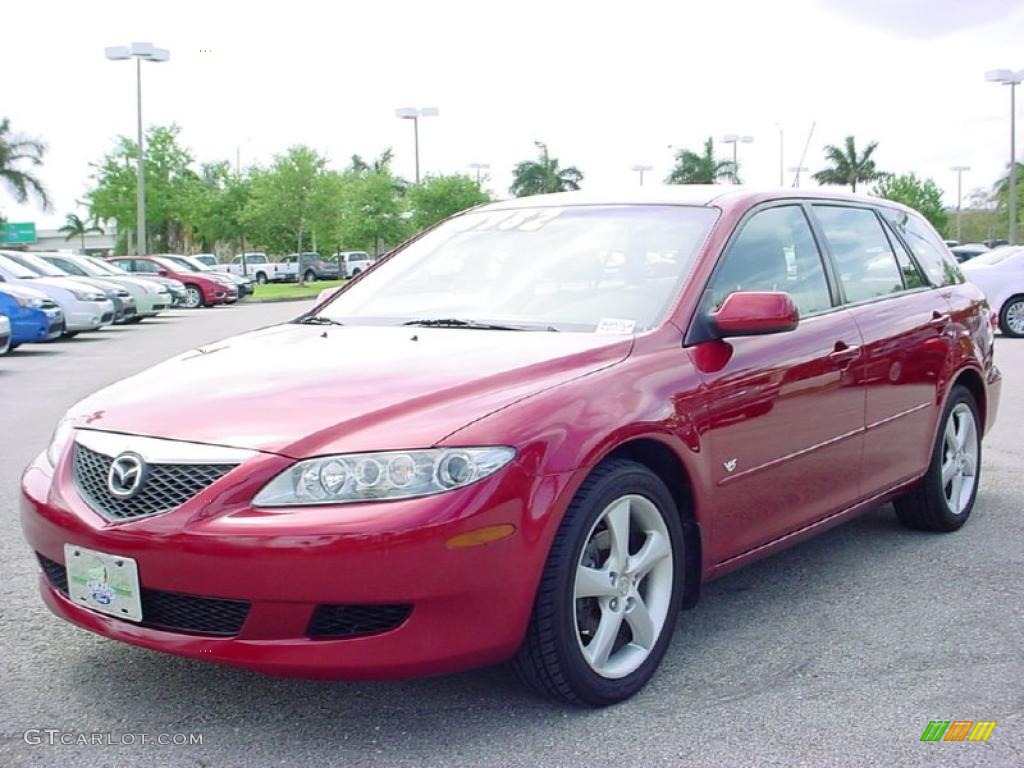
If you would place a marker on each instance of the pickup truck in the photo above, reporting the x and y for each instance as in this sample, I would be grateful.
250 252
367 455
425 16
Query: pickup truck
314 267
262 269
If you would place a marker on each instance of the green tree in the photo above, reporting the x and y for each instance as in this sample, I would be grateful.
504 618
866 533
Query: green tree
215 207
923 195
543 175
170 188
74 226
438 197
691 168
278 213
373 208
14 152
1001 198
848 166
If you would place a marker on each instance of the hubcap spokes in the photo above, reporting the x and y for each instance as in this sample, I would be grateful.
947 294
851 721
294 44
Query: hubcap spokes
959 458
624 582
1015 317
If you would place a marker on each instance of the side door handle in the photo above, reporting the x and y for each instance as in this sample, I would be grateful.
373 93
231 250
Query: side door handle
939 319
843 354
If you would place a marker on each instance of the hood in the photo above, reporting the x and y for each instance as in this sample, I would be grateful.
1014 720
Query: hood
66 283
22 291
306 390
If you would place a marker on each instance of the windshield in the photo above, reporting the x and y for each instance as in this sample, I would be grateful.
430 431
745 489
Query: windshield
16 269
102 266
38 265
86 267
995 256
189 264
581 268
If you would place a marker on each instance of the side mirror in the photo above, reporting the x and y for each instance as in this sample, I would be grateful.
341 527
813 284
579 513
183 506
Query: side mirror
753 313
162 272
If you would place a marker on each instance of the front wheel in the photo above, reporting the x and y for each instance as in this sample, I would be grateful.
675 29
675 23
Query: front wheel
944 498
610 592
193 297
309 276
1011 317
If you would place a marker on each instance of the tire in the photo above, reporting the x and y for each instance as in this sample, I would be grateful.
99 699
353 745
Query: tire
356 272
5 346
193 297
309 276
934 504
1011 317
69 334
553 659
261 278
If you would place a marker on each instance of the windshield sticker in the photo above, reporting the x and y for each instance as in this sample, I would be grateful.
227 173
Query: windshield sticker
615 326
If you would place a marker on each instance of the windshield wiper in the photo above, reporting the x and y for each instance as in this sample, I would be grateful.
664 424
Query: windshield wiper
319 320
457 322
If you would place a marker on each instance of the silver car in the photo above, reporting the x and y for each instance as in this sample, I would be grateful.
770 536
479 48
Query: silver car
125 310
151 298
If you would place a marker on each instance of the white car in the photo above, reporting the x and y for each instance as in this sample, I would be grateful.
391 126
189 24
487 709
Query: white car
1000 275
354 262
85 307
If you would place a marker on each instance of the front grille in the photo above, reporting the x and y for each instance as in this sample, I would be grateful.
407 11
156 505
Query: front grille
171 610
165 486
49 304
354 620
107 317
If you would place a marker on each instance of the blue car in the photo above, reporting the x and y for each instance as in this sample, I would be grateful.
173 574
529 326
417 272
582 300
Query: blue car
32 314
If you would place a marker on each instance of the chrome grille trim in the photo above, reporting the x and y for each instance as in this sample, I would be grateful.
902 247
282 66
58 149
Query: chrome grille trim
156 450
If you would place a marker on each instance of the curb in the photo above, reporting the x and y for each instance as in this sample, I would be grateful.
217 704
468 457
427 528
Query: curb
278 300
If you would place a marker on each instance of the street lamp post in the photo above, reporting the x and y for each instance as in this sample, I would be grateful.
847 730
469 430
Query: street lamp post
1012 79
414 114
959 194
140 52
735 140
796 170
479 167
641 169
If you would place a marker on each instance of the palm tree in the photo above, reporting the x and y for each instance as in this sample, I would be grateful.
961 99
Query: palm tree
75 227
14 150
847 166
537 177
691 168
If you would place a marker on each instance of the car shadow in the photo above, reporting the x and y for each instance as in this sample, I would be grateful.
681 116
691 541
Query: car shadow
424 711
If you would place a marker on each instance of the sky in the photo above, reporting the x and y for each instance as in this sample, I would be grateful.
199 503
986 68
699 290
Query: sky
606 85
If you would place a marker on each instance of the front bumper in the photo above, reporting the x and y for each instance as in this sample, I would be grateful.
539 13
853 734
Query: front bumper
88 315
469 606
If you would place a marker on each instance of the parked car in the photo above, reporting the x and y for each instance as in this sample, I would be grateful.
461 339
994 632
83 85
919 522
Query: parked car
125 310
354 262
201 289
530 434
262 269
85 308
150 298
311 266
5 334
1000 274
969 251
34 316
176 288
243 285
996 243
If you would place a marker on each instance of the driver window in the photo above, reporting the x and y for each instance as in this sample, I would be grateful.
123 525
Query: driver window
775 251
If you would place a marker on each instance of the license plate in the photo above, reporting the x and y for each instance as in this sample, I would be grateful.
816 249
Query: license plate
105 583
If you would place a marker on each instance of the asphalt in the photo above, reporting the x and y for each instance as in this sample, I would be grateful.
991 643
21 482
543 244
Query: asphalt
835 653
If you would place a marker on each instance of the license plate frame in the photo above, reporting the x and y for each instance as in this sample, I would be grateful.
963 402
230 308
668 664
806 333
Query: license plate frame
102 582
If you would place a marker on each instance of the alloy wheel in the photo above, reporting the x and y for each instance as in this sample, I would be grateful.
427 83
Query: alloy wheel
623 588
960 452
193 298
1014 316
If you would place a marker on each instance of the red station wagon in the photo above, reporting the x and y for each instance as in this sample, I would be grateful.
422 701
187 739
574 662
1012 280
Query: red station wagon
528 435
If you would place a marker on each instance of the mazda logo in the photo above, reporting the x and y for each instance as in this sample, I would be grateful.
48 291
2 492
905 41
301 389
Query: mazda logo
126 475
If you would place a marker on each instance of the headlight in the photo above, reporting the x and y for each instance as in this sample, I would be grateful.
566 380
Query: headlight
381 476
60 438
88 295
22 301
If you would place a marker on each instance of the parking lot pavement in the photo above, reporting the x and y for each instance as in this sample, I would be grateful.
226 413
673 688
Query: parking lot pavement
835 653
